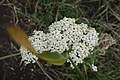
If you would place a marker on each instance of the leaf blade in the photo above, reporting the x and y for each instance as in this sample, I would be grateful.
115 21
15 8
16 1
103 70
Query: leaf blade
19 36
53 57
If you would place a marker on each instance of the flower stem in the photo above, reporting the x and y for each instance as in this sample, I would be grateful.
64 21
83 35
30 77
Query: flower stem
39 64
78 70
8 56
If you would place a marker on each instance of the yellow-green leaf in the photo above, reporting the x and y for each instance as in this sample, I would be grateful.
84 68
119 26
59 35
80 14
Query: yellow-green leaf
53 57
19 36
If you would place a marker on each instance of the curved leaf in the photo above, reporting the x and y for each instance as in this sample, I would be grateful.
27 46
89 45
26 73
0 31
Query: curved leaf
20 37
52 57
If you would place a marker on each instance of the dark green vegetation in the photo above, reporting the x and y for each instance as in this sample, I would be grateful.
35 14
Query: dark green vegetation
104 15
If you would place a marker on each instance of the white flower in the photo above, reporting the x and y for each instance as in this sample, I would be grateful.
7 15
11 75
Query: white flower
64 35
38 41
27 56
81 38
94 68
56 42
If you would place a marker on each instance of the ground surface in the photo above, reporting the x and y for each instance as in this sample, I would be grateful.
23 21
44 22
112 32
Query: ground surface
104 15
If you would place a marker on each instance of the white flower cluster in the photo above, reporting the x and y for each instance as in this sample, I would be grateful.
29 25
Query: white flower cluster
64 35
79 37
38 41
94 68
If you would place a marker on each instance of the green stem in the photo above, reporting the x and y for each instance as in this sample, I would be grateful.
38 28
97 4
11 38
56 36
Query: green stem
8 56
56 18
78 70
39 64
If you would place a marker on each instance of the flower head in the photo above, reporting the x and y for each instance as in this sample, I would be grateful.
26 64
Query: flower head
94 68
64 35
